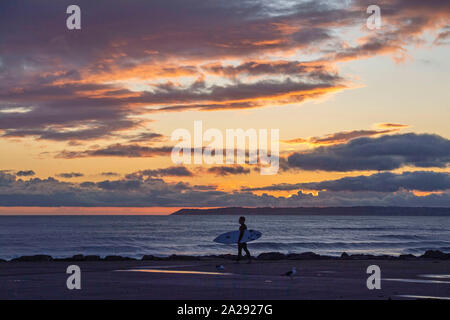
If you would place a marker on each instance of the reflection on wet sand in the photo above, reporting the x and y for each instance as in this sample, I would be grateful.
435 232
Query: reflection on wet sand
423 297
178 272
417 281
437 276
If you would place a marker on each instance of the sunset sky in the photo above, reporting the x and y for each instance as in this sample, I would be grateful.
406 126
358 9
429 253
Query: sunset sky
86 115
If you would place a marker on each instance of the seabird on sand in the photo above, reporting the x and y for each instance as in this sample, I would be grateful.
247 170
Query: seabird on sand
291 273
220 267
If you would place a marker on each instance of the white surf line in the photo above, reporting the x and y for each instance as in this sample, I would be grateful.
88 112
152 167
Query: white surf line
422 297
436 276
417 281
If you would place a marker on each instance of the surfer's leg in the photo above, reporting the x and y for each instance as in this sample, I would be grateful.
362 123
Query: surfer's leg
249 257
240 245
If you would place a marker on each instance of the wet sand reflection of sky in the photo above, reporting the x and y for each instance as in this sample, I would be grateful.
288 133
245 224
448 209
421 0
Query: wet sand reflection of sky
436 276
423 297
418 281
178 272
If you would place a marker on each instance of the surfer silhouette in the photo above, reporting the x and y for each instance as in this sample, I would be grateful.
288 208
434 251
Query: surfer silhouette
243 245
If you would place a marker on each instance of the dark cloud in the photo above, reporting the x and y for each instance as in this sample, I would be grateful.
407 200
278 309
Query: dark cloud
125 185
196 95
380 182
64 112
87 184
156 192
383 153
443 37
313 70
350 198
392 125
134 151
339 137
149 35
147 137
72 88
228 170
177 171
25 173
110 174
69 175
407 21
118 150
6 178
98 129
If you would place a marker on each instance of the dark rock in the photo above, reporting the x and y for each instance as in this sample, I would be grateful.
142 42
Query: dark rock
228 256
306 256
407 257
62 259
211 256
435 254
183 258
113 258
118 258
92 258
207 258
385 257
345 256
78 257
271 256
38 257
362 257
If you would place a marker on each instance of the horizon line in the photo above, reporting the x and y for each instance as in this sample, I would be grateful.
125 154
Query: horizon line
61 211
133 211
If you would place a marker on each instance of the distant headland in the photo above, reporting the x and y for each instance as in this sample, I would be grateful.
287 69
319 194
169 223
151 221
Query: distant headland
324 211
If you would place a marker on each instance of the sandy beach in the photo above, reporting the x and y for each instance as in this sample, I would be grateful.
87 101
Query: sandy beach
180 279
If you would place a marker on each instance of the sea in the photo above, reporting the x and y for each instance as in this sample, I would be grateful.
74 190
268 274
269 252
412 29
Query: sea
135 236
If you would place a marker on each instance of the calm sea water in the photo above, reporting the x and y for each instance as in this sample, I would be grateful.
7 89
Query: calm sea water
134 236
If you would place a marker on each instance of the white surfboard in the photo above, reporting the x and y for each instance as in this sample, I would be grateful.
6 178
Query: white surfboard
233 236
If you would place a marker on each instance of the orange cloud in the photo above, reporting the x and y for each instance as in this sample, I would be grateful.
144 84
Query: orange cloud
343 136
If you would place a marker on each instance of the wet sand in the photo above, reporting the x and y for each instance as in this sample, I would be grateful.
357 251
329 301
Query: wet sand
315 279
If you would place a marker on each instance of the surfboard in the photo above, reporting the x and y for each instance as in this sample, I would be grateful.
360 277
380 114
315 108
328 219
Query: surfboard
233 236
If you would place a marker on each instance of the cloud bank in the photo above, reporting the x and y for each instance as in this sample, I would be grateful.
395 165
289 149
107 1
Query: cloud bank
383 153
148 191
